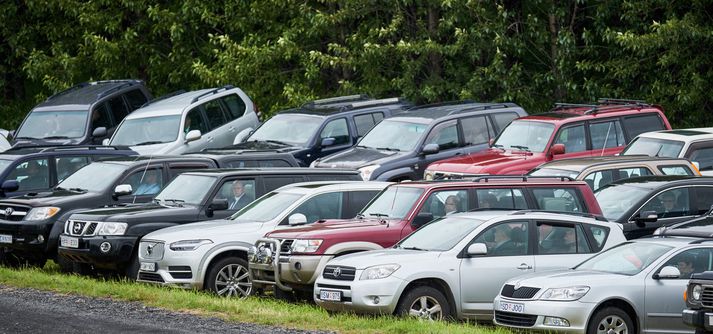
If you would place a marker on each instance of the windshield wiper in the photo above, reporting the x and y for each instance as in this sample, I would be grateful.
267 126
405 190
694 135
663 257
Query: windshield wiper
26 138
174 201
151 142
521 147
78 189
277 142
388 149
378 214
56 137
413 248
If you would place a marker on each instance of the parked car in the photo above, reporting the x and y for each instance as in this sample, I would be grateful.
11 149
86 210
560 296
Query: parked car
321 127
567 131
600 171
699 302
190 197
701 227
646 203
40 168
213 255
30 225
184 122
395 213
693 144
636 287
455 266
83 114
230 158
399 148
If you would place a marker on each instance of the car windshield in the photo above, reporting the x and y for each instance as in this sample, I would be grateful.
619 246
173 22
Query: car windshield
94 177
525 135
617 199
292 129
440 235
3 164
654 147
147 130
394 135
626 259
553 172
58 124
267 207
189 189
393 202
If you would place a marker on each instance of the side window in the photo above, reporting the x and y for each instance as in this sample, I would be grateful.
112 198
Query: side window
558 199
445 135
174 170
600 179
475 130
701 199
273 163
670 203
364 123
561 239
32 174
501 198
118 109
241 164
636 125
704 157
338 130
146 182
357 201
502 119
239 193
194 121
68 165
214 113
136 99
274 182
100 117
236 105
606 134
505 239
378 116
676 170
322 206
599 234
691 261
573 139
441 203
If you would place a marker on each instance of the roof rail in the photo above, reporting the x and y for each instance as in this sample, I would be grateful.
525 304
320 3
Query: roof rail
699 241
337 99
441 104
374 103
211 92
580 214
523 178
560 106
607 100
124 83
486 106
613 108
83 147
172 94
77 86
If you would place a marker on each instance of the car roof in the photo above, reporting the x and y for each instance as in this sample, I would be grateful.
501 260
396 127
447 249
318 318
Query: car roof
662 181
496 180
344 105
175 103
567 113
25 151
243 154
680 134
579 164
274 171
320 186
425 114
137 159
487 215
675 241
86 93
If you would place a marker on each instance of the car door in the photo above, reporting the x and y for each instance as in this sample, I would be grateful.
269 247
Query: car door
701 153
509 255
574 139
195 120
607 137
338 130
239 192
672 206
447 136
560 245
664 296
477 132
146 183
238 119
219 134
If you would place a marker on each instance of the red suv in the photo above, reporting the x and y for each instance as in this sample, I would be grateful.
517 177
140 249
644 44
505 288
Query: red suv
300 254
567 131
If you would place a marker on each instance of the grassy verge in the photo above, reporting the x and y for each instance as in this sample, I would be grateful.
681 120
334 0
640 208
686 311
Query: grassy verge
254 310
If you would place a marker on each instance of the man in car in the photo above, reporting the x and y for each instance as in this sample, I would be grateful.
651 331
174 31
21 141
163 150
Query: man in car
240 198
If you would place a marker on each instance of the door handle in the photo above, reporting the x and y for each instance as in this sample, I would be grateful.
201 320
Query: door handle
524 266
210 139
231 129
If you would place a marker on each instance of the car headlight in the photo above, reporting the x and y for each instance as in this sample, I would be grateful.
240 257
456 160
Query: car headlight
565 294
42 213
366 171
305 246
188 245
378 272
696 292
109 228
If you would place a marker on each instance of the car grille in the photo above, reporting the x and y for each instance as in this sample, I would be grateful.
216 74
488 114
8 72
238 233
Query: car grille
13 212
286 246
515 319
523 292
339 273
150 277
180 272
707 296
151 250
77 227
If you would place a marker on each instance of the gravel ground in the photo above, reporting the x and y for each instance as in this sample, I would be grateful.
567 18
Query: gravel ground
35 311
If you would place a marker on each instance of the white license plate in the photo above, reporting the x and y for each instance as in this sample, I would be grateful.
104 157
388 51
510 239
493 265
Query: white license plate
333 296
68 242
710 319
512 307
5 239
148 266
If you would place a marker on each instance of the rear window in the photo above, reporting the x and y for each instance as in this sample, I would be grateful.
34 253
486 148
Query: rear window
636 125
559 199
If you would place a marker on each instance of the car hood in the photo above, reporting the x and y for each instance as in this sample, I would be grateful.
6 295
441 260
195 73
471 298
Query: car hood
218 229
358 157
265 146
337 228
138 213
51 198
567 277
402 257
488 161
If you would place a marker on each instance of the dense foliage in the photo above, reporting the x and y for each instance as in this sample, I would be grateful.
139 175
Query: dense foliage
283 52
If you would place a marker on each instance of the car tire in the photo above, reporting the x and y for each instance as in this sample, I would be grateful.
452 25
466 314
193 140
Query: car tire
11 259
132 270
424 302
65 265
610 318
229 277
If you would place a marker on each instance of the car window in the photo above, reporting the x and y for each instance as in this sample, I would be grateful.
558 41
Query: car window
357 201
273 182
601 178
558 199
505 239
561 239
194 121
676 170
236 106
701 199
100 118
691 261
66 165
670 203
136 99
146 182
445 135
599 235
118 109
636 125
475 130
239 193
214 113
704 157
502 119
32 174
445 202
176 169
573 139
273 163
322 206
338 130
501 198
364 123
606 134
187 189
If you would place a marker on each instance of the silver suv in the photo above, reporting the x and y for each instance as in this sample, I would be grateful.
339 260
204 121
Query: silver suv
188 122
455 266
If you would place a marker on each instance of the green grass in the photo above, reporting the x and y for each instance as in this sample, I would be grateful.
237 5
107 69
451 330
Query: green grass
257 310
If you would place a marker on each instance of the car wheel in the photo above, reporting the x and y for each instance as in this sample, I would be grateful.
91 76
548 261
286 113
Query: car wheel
229 277
424 302
132 270
611 320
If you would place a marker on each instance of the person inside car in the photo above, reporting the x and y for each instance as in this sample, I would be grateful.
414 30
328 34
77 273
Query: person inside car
668 203
239 198
149 185
452 204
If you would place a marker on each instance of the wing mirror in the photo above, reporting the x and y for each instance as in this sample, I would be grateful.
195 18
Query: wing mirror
99 132
646 217
193 135
105 142
477 249
421 219
668 272
217 205
430 149
10 185
123 189
329 141
242 136
297 219
557 149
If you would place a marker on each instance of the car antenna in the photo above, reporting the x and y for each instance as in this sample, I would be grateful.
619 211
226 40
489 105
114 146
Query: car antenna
605 138
393 202
142 176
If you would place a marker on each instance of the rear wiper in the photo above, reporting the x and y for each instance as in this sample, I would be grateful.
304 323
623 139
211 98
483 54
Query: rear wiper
388 149
56 137
524 148
149 143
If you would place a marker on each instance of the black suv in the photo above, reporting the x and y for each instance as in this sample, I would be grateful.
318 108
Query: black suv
109 238
699 302
35 169
30 225
401 147
321 127
83 114
232 158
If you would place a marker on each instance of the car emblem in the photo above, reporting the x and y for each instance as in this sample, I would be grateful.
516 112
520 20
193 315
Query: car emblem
149 249
517 285
334 166
8 212
77 228
337 272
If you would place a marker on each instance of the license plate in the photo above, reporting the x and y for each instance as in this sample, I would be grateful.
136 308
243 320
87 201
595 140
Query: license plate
68 242
5 239
334 296
512 307
148 266
710 319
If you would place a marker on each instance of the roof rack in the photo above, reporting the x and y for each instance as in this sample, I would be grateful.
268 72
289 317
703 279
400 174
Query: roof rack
441 104
124 83
172 94
77 86
523 178
374 103
607 100
612 108
580 214
211 92
486 106
336 99
56 148
113 89
561 105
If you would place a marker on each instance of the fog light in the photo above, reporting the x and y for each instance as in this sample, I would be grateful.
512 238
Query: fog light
105 247
376 300
298 266
40 238
554 321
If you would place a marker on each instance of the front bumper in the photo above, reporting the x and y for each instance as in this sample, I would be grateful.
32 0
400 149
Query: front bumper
575 312
116 256
378 296
699 319
174 268
286 272
28 236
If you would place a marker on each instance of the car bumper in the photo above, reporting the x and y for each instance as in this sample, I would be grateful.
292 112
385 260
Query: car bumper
180 269
699 319
26 236
533 317
379 296
286 272
102 251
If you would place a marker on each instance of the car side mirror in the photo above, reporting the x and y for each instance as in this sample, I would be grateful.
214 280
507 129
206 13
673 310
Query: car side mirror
668 272
557 149
297 219
647 217
491 142
430 149
217 205
99 132
105 142
193 135
421 219
242 136
329 141
477 249
123 189
11 134
10 186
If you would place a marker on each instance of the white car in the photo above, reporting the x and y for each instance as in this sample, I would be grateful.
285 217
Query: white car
213 255
693 144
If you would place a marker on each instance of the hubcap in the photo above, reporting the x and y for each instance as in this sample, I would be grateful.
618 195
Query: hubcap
233 280
612 324
426 307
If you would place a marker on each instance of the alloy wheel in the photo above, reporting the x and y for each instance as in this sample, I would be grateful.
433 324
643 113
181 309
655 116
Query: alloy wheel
233 280
612 324
426 307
